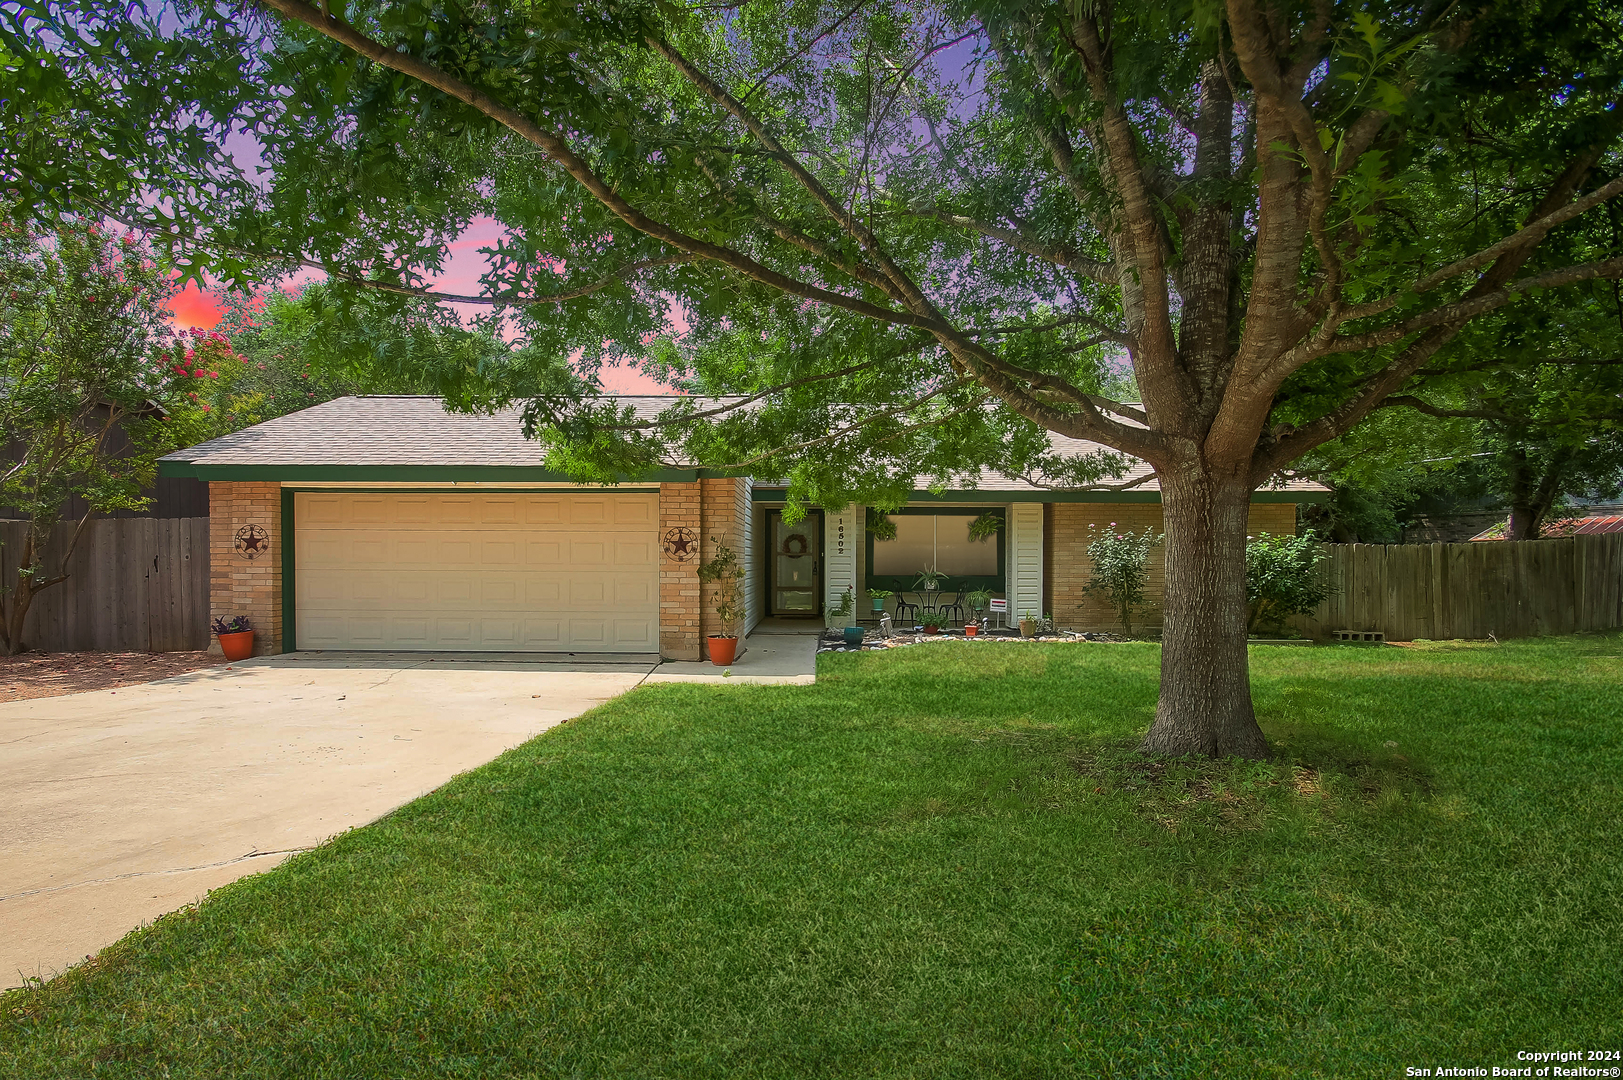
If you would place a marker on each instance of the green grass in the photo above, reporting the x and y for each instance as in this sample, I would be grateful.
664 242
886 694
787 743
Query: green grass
943 861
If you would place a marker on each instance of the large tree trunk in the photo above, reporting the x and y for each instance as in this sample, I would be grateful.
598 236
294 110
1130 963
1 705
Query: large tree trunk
1205 705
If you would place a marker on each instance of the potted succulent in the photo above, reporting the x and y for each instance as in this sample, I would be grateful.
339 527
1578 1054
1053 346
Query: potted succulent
236 636
879 596
722 570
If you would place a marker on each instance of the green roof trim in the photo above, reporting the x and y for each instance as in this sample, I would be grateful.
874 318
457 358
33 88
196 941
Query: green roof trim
419 473
1007 496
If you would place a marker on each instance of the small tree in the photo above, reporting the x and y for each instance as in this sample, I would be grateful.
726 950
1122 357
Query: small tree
1120 569
1282 579
82 318
723 571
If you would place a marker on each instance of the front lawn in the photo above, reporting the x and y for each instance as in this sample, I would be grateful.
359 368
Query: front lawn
941 861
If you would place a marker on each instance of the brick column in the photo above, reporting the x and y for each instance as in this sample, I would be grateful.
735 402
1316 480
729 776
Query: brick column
680 507
239 585
724 505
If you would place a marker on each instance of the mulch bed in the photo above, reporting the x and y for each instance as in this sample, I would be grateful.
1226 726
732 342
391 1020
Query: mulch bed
37 675
831 641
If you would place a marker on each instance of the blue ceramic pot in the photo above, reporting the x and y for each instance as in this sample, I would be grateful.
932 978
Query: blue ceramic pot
853 635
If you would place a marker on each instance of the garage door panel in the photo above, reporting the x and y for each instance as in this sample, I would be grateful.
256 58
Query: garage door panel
322 510
456 572
633 511
629 592
633 553
588 632
593 511
543 590
499 553
413 553
634 632
499 512
547 632
543 511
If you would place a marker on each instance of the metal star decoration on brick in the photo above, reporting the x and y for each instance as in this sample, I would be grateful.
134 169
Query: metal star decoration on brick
681 544
252 542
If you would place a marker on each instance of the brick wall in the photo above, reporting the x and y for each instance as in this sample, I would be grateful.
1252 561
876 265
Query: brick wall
1066 567
724 506
240 586
679 507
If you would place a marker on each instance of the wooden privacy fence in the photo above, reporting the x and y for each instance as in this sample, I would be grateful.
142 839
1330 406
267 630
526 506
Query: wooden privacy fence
136 585
1473 590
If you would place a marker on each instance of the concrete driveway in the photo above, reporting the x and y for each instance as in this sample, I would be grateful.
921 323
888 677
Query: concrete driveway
121 805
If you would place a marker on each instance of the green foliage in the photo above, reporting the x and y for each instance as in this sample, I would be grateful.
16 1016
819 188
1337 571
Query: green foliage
1119 569
880 524
929 579
90 401
1282 578
978 599
986 526
843 613
82 320
724 571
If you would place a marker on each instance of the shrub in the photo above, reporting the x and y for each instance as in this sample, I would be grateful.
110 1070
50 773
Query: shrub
1120 569
1282 579
723 571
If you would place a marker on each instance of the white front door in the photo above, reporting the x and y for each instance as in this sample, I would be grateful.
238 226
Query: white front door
476 572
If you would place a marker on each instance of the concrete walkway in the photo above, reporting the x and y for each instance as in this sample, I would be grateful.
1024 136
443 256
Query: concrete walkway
122 805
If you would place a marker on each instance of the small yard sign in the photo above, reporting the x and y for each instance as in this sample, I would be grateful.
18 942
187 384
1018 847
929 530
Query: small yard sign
998 605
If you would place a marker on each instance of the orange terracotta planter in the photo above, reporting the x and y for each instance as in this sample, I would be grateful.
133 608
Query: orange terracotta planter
722 650
971 630
237 646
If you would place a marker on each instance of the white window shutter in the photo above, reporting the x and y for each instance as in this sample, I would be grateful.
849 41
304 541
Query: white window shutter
1025 576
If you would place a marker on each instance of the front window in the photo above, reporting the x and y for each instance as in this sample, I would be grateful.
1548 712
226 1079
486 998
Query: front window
939 540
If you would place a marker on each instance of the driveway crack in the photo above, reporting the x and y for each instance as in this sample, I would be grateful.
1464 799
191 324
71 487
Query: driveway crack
255 854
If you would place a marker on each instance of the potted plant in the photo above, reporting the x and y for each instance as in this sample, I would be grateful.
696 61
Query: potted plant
879 596
842 615
722 570
929 579
1028 625
236 636
977 599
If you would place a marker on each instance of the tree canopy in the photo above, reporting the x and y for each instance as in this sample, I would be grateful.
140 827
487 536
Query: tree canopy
907 237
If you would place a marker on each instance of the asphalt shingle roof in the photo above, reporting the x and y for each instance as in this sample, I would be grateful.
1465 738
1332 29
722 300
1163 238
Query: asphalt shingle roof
405 430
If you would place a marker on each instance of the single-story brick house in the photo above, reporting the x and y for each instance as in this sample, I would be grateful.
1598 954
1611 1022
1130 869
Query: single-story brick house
385 523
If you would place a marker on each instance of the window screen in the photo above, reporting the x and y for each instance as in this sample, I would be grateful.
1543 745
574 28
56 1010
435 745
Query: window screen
941 540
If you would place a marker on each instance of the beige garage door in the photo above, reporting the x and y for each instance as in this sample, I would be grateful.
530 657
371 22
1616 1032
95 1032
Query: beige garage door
476 572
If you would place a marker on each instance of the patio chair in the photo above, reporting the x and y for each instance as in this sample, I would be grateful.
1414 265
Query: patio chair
950 602
902 606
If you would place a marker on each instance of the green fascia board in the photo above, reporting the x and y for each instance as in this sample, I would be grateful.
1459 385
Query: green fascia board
771 494
393 473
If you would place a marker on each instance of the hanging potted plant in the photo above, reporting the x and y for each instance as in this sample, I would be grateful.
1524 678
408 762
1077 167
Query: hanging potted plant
236 637
722 571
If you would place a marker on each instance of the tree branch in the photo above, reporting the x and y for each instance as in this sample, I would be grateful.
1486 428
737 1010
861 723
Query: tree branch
559 150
